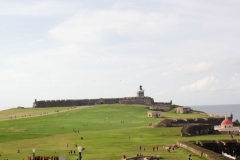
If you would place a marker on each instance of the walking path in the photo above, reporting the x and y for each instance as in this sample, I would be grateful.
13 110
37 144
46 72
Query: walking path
28 115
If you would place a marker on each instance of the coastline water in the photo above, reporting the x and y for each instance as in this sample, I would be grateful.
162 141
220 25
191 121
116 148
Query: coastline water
220 109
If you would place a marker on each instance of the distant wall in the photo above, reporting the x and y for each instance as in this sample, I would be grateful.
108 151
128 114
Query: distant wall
202 152
183 109
195 129
137 100
83 102
161 106
182 122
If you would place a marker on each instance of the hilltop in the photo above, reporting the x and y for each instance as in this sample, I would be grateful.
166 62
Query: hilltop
108 132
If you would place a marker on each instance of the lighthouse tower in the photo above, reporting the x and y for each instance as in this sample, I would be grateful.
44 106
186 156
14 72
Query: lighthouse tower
140 92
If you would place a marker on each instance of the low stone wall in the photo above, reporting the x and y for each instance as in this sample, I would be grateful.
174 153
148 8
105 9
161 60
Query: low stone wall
196 129
144 158
202 152
160 107
182 122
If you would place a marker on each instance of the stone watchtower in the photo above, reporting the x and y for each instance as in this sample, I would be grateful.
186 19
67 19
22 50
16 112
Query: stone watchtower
140 92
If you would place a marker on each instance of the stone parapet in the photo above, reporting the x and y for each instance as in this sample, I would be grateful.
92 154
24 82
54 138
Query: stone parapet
83 102
182 122
202 152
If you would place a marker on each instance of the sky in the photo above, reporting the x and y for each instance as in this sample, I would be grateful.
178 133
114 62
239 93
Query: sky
185 51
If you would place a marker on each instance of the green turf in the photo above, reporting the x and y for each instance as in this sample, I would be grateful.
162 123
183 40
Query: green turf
104 136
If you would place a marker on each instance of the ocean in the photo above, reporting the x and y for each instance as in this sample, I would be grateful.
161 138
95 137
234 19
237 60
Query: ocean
220 109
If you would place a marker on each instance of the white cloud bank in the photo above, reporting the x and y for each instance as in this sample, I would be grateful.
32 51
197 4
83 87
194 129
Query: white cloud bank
188 69
93 26
206 84
213 84
186 51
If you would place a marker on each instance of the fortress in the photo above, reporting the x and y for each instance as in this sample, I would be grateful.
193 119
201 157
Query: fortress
139 99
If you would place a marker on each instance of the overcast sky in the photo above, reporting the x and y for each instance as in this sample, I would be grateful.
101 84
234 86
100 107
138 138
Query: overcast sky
185 51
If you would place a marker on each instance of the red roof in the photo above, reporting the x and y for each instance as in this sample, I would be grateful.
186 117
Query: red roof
226 121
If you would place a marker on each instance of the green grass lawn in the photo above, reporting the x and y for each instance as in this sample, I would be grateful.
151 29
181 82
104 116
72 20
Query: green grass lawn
104 136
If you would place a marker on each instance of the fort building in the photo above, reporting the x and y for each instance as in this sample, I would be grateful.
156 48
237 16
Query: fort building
154 114
202 126
226 126
139 99
182 109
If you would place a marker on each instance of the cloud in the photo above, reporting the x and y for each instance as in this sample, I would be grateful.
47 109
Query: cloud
71 62
206 84
35 8
208 14
213 84
91 49
94 26
10 74
235 85
201 67
188 69
233 61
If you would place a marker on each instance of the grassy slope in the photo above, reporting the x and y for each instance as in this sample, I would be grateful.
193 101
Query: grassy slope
28 112
103 139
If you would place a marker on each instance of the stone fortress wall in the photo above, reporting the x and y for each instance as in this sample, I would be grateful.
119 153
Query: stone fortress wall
195 126
86 102
161 106
183 122
140 99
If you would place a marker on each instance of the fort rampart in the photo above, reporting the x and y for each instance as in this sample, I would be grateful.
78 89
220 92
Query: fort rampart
210 155
182 122
82 102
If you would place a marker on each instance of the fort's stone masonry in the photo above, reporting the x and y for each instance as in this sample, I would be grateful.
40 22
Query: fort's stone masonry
196 126
84 102
183 122
200 151
140 99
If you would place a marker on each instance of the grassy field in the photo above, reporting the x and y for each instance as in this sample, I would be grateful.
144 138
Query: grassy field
104 136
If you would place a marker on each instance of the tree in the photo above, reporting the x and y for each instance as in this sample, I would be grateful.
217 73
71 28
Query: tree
236 123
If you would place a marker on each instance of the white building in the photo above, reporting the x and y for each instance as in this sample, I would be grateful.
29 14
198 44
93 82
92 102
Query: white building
226 125
154 114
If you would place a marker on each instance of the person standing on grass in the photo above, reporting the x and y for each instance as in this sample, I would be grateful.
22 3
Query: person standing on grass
140 148
190 157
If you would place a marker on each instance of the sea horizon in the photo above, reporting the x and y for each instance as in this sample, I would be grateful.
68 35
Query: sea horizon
220 109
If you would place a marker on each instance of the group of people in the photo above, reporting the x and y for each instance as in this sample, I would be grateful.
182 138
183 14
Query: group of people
156 148
139 155
140 148
169 149
44 158
71 152
153 148
76 131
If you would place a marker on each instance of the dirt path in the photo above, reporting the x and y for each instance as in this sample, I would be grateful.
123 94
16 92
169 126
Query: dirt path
54 112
